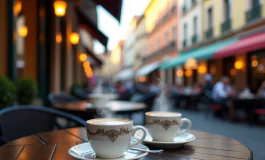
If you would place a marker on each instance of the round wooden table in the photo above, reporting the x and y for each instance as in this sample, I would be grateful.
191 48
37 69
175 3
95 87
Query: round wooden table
119 107
55 145
249 105
114 106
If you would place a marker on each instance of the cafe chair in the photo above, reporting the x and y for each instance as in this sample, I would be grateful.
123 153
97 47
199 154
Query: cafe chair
55 98
20 121
211 107
258 113
80 93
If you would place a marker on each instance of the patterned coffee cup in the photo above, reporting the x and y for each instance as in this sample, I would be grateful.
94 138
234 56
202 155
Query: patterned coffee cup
165 126
110 137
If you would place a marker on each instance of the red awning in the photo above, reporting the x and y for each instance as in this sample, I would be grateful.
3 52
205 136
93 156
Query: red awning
250 43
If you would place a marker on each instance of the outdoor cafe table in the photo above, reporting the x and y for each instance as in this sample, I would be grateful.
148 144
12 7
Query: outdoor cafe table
55 145
248 105
114 106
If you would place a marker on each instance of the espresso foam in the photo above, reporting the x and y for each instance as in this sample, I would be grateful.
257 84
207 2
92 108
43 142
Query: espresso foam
110 121
163 114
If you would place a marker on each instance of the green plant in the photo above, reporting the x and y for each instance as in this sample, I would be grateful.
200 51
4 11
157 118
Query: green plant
7 92
26 91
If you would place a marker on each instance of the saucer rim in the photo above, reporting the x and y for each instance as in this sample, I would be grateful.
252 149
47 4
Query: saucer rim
169 143
82 158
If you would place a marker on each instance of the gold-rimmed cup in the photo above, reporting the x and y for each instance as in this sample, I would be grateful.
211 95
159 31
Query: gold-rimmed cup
165 126
111 137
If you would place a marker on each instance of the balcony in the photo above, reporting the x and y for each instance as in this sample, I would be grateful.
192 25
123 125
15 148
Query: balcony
226 25
173 9
194 38
209 33
253 14
184 9
168 48
193 2
184 43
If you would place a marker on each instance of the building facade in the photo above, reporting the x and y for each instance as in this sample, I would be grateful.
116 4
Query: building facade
140 42
162 35
232 42
190 34
48 45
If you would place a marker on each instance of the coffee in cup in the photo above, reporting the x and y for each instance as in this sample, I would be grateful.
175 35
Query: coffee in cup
165 126
111 137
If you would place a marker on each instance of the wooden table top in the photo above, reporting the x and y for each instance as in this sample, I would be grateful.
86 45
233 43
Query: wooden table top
55 145
114 106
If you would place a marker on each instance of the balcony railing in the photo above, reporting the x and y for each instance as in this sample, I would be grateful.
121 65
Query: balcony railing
209 33
168 48
194 38
253 13
184 43
226 25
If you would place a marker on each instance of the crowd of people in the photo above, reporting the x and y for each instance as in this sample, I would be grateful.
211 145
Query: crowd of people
218 93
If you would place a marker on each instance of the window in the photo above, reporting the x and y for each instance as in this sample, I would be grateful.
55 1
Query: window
185 31
227 5
210 17
174 34
157 44
166 37
254 3
195 25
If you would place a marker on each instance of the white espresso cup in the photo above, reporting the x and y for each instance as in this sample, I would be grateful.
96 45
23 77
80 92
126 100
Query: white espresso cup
165 126
111 137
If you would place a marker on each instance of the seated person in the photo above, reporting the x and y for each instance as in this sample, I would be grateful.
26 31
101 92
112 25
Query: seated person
221 91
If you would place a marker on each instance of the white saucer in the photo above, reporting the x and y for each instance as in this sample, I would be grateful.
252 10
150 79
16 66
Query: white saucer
177 141
85 152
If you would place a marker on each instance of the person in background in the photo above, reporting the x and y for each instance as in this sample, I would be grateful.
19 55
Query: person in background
261 90
208 84
221 91
154 88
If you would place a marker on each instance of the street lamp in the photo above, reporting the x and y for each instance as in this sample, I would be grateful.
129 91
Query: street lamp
23 31
59 7
74 38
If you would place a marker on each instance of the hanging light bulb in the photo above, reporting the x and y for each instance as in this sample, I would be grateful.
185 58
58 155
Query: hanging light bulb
82 57
17 7
23 31
59 7
74 38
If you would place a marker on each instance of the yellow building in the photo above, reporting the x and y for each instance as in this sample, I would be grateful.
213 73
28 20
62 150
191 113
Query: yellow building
224 19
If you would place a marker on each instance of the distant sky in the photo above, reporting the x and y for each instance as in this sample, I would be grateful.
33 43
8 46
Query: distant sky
110 26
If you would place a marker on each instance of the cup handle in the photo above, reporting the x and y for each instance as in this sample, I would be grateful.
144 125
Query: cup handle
182 121
132 144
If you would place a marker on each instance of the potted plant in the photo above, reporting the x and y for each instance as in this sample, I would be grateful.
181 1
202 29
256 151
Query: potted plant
7 92
26 91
